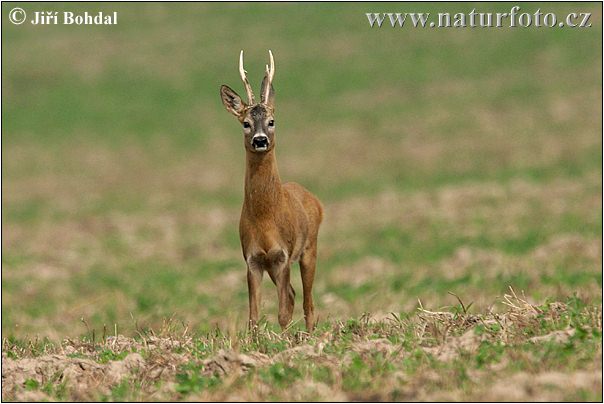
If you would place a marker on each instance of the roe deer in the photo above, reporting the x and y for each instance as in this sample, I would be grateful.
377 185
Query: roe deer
279 222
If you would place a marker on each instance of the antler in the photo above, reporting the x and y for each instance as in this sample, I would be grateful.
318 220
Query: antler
270 73
248 88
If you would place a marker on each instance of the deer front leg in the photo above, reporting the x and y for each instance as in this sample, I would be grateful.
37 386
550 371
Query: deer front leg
280 275
308 264
254 282
286 297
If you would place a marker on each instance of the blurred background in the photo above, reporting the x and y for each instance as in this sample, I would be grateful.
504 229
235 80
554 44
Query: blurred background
462 160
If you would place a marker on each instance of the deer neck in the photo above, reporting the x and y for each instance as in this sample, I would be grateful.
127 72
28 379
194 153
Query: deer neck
263 191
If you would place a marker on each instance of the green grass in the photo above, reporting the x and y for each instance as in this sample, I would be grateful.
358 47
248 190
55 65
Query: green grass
428 355
448 160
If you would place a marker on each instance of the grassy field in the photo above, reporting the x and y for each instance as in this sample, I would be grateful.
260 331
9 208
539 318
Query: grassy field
461 253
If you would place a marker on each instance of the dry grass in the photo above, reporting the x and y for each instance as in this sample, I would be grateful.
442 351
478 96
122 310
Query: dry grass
173 364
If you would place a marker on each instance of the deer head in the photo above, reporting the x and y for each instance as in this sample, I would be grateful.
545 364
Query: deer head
257 119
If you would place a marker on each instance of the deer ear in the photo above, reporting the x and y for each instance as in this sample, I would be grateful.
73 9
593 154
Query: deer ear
231 100
271 96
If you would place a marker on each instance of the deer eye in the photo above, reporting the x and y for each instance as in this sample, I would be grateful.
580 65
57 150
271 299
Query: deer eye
271 123
247 125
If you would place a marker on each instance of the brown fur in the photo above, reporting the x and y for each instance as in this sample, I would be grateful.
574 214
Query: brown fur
279 222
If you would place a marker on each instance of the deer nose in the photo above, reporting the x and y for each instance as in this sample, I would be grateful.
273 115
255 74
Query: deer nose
260 141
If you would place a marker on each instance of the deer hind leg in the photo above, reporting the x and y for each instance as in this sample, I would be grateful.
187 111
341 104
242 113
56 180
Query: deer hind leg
308 262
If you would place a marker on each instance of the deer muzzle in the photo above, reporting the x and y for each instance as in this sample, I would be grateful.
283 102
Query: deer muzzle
260 142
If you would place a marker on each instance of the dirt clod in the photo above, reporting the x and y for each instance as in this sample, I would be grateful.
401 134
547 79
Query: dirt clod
227 362
78 374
